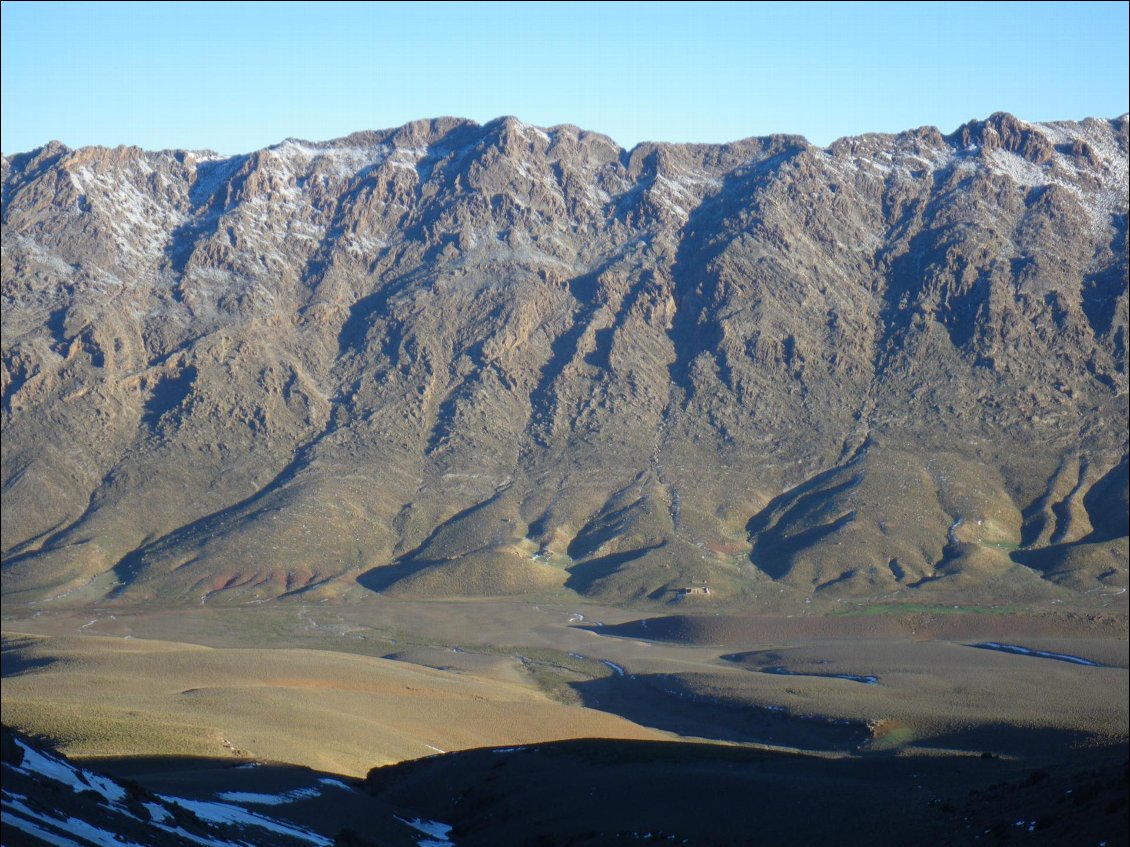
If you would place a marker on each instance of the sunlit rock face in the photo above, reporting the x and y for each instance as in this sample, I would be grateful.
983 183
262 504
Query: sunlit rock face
452 359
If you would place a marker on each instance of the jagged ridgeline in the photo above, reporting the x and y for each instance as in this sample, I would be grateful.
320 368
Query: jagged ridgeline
452 359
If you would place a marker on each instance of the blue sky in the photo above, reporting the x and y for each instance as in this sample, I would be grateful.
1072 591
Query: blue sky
235 77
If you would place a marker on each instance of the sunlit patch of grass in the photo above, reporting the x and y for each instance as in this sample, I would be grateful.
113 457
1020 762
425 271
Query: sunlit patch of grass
926 609
891 735
101 730
1001 545
553 671
103 696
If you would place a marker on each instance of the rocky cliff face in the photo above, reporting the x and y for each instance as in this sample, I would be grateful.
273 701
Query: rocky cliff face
461 359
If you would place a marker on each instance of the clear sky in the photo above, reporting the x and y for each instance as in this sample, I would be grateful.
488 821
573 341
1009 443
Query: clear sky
234 77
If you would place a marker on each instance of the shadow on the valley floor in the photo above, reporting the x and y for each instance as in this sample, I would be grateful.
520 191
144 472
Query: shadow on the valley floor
15 661
668 628
666 702
773 663
1005 739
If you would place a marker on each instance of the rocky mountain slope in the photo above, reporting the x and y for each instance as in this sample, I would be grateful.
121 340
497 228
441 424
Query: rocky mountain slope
459 359
49 801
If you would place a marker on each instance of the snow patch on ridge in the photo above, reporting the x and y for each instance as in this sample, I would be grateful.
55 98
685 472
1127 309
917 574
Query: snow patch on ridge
57 770
437 832
269 799
227 815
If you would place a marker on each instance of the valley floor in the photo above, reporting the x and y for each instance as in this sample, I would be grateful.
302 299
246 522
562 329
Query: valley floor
966 714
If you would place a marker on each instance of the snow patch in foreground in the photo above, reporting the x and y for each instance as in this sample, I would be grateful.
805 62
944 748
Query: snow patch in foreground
436 831
157 813
269 799
59 771
93 835
30 828
225 815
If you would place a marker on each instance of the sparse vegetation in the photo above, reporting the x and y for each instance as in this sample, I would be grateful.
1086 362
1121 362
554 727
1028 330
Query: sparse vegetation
926 609
654 382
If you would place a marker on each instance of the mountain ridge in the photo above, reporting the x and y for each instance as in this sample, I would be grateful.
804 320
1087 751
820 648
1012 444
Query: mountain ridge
499 359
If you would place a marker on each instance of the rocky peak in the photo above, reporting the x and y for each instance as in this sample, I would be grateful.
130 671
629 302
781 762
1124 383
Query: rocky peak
1002 131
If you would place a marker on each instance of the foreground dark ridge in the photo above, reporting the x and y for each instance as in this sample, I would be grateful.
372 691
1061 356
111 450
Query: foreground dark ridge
458 359
584 792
